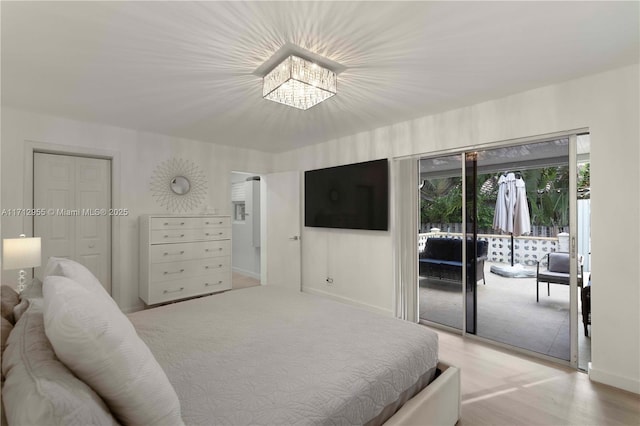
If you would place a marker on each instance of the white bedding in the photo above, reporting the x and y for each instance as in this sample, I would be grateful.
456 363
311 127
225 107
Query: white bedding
269 356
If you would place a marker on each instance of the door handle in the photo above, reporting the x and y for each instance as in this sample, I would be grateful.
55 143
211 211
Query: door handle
294 238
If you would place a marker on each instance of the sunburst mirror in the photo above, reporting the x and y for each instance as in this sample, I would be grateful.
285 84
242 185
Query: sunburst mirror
178 185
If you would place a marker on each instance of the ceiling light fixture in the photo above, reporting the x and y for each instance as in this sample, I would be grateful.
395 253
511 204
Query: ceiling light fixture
299 83
298 77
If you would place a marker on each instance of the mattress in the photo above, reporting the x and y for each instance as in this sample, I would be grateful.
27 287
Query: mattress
267 356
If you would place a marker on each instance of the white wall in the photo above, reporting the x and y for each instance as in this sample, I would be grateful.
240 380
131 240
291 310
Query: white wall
607 104
139 153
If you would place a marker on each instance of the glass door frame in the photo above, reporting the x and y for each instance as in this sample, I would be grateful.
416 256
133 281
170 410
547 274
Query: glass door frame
573 226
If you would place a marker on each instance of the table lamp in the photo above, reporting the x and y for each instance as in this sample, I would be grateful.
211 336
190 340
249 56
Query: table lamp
20 253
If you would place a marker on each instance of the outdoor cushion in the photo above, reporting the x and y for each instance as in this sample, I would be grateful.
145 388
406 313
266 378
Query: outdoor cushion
559 262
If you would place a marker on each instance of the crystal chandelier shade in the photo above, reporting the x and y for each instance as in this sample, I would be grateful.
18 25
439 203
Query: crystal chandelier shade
299 83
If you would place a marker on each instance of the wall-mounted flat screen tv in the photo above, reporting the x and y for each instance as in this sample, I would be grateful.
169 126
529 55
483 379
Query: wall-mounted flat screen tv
354 196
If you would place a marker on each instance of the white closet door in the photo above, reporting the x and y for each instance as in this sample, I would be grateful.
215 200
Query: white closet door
54 188
78 189
93 231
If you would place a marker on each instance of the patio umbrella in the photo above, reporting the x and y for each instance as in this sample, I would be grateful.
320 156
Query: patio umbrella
500 212
521 216
512 210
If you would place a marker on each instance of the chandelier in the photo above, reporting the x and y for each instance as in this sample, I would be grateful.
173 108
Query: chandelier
299 83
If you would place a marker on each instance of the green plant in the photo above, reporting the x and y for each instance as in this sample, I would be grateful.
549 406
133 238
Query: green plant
547 195
441 201
550 201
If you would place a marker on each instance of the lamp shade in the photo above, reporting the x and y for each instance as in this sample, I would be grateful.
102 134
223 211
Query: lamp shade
20 253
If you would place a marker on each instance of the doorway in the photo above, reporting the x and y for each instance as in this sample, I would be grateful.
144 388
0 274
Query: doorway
246 229
75 192
493 296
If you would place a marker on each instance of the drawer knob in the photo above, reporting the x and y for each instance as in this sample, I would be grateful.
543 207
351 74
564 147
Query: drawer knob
174 236
173 291
174 272
176 223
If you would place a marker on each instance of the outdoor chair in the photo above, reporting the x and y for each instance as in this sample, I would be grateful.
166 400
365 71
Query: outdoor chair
556 272
586 306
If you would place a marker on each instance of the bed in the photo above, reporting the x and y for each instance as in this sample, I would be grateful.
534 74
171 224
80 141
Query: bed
260 356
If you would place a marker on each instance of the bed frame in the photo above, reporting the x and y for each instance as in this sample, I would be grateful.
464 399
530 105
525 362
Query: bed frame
438 403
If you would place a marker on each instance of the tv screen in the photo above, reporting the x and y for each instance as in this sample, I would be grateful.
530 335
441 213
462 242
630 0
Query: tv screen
355 196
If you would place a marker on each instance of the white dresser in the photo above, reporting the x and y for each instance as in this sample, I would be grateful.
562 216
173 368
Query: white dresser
183 256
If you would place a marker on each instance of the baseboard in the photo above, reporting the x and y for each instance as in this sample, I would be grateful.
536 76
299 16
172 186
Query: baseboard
614 380
372 308
247 273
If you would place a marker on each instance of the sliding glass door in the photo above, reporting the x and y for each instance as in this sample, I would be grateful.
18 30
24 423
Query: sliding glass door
439 241
513 211
523 212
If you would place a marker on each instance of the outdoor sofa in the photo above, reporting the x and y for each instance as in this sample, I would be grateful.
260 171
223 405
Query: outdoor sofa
442 259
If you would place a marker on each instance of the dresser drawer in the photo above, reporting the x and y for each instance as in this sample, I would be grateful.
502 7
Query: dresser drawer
213 249
173 252
215 264
214 234
212 284
169 290
180 289
216 222
164 223
185 251
183 235
169 271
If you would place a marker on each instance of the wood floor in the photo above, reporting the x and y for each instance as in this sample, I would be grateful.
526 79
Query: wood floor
503 388
242 281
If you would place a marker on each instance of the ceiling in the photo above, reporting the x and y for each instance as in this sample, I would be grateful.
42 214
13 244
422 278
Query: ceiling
185 68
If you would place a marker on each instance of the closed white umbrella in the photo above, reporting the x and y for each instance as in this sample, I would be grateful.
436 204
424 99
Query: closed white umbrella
521 216
500 212
511 201
512 216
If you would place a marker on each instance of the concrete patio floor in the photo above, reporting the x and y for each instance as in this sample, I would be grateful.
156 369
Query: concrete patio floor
508 313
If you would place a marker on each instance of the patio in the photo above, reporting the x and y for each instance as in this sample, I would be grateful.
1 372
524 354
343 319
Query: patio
508 313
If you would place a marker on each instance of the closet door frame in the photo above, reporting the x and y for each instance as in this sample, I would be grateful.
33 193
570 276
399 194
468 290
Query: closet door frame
31 147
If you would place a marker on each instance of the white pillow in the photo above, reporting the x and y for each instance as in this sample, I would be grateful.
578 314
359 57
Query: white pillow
96 341
75 271
39 389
